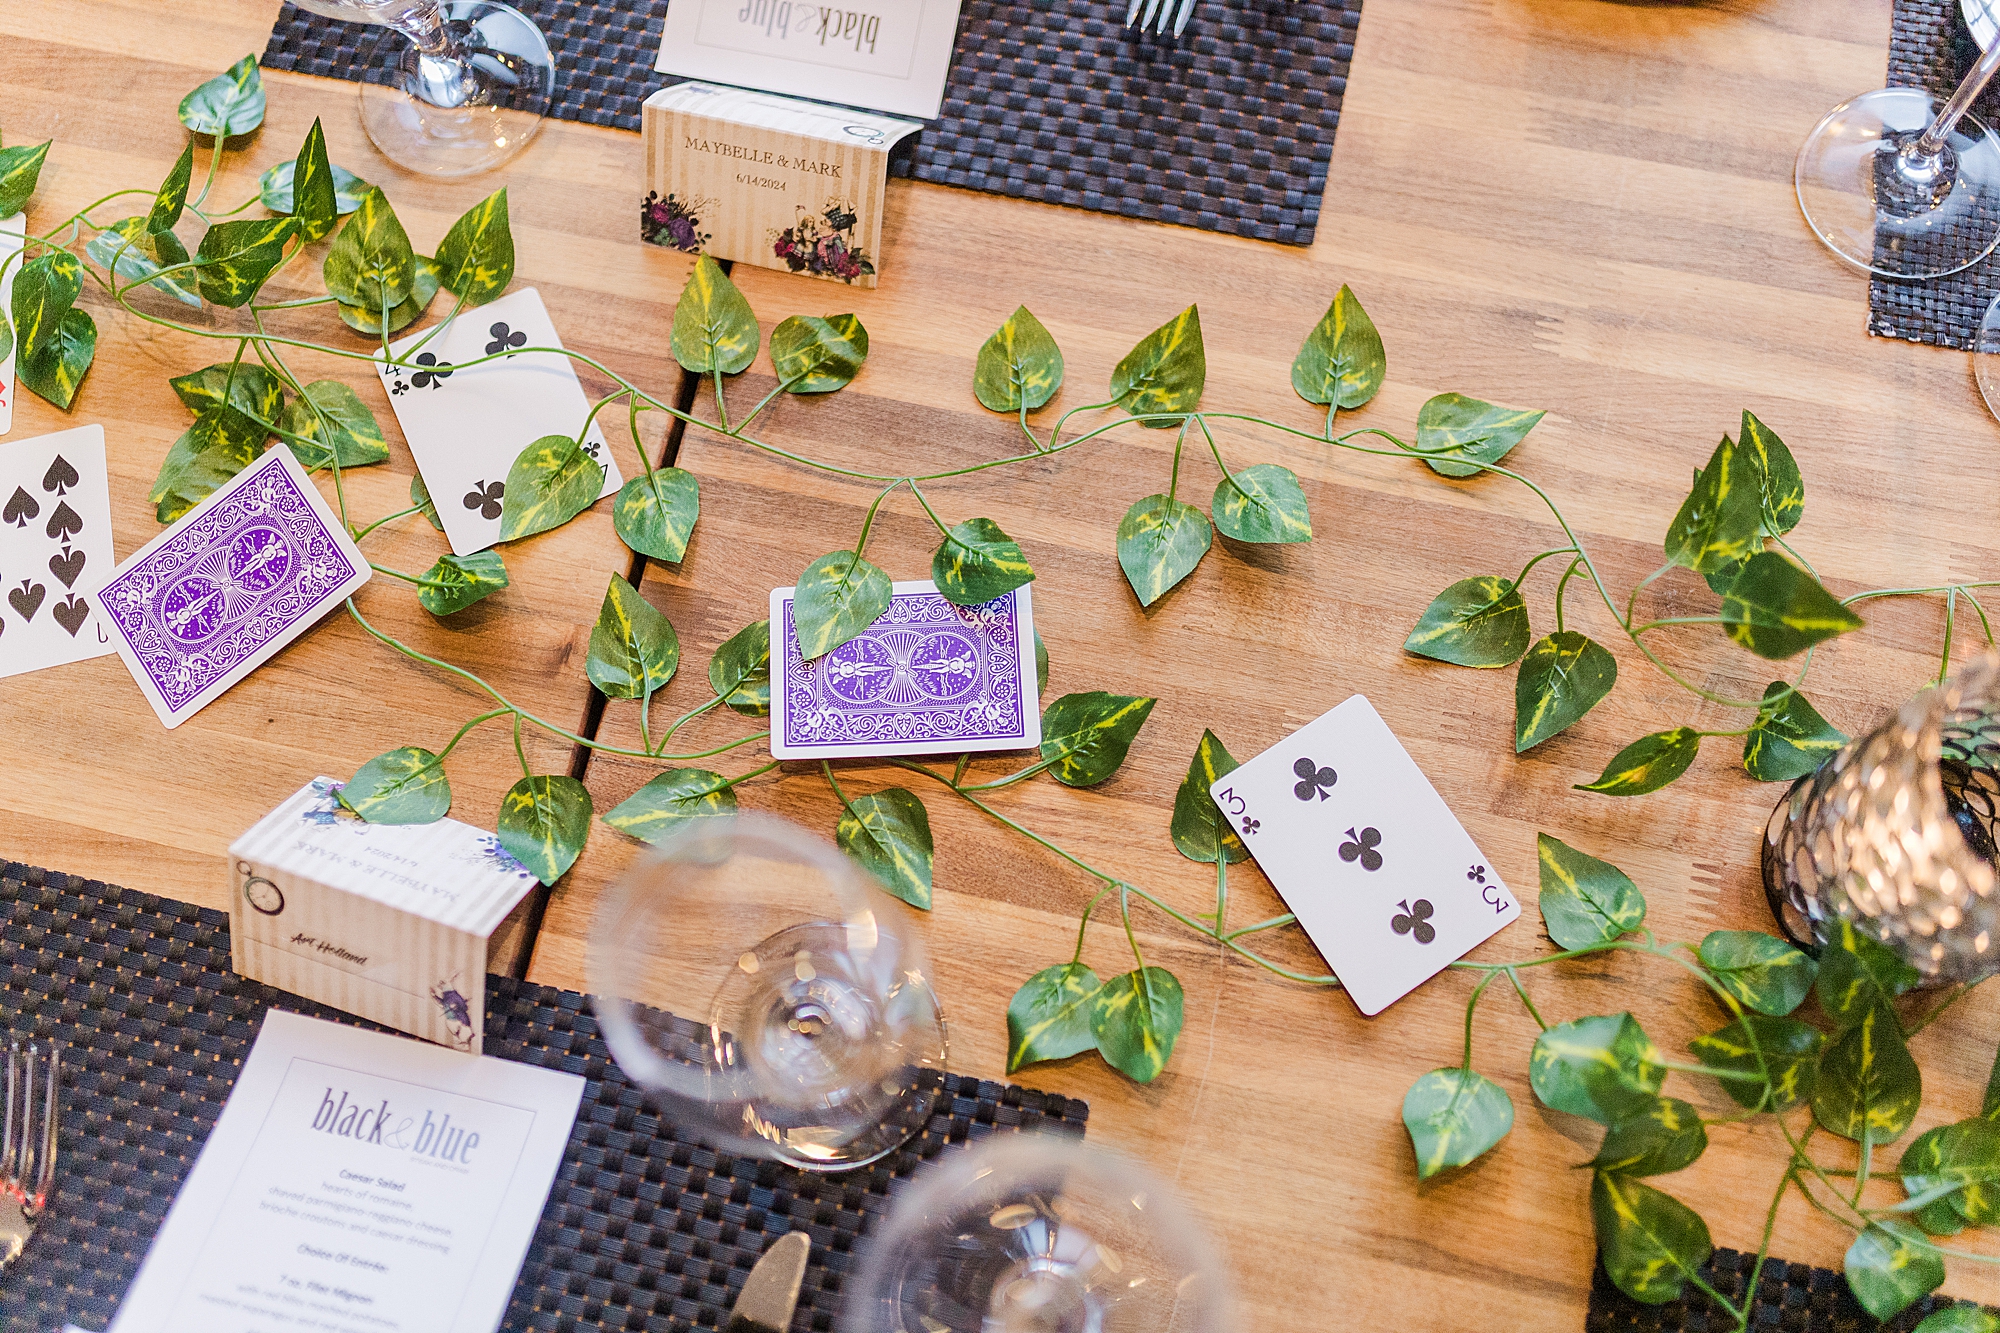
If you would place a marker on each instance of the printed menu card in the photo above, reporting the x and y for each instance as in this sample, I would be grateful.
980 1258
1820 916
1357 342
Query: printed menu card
358 1182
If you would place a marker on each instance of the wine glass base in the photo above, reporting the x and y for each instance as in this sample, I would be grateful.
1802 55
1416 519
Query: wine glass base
1880 212
459 118
1986 357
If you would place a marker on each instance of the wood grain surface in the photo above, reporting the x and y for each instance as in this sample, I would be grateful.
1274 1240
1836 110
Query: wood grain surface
1572 205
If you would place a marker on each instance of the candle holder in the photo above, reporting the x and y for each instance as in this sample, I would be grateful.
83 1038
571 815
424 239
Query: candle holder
1897 833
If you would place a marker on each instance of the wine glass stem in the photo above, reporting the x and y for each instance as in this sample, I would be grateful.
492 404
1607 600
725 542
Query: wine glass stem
1931 143
444 79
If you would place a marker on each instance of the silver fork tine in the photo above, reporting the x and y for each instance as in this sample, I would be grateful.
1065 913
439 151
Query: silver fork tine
1181 19
10 1145
1132 11
45 1179
24 1167
1152 8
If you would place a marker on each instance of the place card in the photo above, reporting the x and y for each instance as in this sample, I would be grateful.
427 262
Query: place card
390 922
775 181
357 1182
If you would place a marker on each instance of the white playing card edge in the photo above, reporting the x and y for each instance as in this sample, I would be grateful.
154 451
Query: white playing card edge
15 227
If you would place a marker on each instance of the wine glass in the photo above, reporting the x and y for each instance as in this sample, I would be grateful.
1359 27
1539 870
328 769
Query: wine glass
773 1000
452 87
1030 1233
1901 187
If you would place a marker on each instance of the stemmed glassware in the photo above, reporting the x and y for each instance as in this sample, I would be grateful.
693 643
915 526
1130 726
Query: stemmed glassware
1902 187
772 1000
451 87
1030 1233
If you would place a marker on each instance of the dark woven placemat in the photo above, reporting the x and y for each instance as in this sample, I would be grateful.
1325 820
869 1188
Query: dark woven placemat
642 1231
1791 1298
1229 129
1930 48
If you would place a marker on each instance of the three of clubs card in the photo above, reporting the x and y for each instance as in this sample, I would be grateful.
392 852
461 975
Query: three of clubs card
55 549
467 426
1383 878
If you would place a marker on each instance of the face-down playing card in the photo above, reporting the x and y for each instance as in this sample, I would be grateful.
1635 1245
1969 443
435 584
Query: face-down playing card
234 579
55 549
928 677
467 424
1382 877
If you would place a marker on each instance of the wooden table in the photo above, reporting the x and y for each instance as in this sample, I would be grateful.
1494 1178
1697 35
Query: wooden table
1579 206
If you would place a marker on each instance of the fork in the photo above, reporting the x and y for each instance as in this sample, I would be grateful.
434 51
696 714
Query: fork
27 1143
1157 15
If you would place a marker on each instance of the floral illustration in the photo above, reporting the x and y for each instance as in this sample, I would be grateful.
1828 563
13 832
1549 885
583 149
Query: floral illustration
326 807
673 221
457 1011
822 244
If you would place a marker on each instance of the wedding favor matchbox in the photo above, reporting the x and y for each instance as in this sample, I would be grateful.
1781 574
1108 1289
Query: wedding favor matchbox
392 923
789 184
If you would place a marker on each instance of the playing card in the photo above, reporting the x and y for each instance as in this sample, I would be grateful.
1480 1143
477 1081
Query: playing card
466 427
927 677
11 232
235 579
55 549
1384 880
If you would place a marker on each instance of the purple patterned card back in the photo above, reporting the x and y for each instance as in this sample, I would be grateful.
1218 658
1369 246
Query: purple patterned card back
928 677
229 584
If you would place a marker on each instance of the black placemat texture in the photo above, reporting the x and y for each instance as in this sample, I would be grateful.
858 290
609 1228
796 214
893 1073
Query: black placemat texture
642 1232
1930 48
1229 128
1791 1298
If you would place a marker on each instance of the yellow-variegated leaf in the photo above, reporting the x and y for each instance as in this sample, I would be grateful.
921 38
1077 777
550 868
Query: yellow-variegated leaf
407 785
655 514
1721 520
977 562
370 263
1453 1115
1650 1242
475 260
1165 372
552 482
1563 677
1647 764
1086 736
669 801
1049 1017
714 328
1869 1087
544 823
1777 610
1019 367
1342 363
1199 829
1136 1018
1160 541
1476 622
1262 503
889 835
633 648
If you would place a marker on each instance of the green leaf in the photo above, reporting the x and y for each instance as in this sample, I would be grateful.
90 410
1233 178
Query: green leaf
1453 1115
44 290
1136 1017
1041 666
1564 676
313 204
1603 1068
1868 1084
56 371
1647 764
1651 1243
633 649
341 421
220 444
274 187
1858 974
977 562
544 823
1781 491
1959 1319
552 482
1791 1051
229 104
253 391
1019 366
1160 541
475 259
814 355
838 596
1049 1017
1087 735
168 200
1966 1155
669 800
407 785
1452 426
457 581
1889 1266
370 263
20 170
420 496
1164 373
1585 901
368 320
1721 520
127 249
889 835
740 671
1476 622
1262 503
1789 739
1342 362
236 257
1762 971
1666 1136
714 328
1776 610
655 514
1199 829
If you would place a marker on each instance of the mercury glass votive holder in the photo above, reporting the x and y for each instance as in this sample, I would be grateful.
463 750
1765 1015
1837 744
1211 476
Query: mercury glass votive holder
1896 833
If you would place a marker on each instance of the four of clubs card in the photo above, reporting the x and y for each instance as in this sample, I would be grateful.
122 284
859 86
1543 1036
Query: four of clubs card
1382 877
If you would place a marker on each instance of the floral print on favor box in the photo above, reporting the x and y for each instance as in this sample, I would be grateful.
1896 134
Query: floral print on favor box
674 221
822 244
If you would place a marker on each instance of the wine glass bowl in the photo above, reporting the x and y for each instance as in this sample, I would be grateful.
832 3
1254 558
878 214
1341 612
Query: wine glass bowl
750 978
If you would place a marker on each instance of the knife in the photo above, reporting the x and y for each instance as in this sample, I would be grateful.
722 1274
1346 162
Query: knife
771 1292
